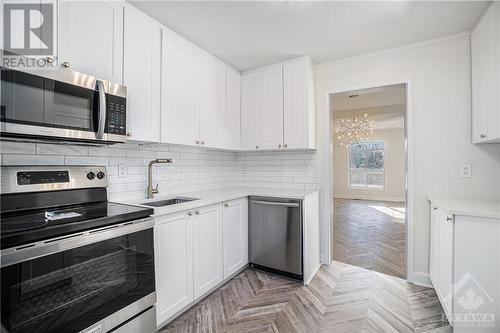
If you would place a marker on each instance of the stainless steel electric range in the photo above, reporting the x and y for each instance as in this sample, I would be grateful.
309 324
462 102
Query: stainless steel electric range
72 261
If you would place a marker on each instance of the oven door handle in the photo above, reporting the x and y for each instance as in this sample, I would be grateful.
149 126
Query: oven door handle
42 248
102 109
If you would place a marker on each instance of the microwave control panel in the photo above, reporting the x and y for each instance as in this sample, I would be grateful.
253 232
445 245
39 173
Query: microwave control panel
117 115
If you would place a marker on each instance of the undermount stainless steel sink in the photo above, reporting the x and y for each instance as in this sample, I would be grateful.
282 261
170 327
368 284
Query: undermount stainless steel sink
167 202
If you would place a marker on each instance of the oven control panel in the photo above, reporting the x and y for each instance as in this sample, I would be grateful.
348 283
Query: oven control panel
116 115
42 177
50 178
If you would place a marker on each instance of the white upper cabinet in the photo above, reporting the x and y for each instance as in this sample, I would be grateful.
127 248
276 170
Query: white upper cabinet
142 75
233 117
179 115
250 116
298 104
91 37
277 106
262 109
486 77
194 95
212 101
270 95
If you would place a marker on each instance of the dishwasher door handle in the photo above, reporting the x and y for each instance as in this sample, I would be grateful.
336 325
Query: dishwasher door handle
274 203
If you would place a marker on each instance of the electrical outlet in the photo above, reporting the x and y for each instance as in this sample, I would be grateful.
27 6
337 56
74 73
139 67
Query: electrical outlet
465 171
122 170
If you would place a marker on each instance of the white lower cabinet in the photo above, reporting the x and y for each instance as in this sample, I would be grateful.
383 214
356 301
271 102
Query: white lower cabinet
235 235
174 264
464 268
207 248
189 256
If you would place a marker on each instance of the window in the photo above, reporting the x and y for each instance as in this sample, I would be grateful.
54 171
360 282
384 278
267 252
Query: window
366 165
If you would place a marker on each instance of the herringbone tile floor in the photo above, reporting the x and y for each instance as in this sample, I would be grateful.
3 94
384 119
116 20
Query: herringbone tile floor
340 298
370 234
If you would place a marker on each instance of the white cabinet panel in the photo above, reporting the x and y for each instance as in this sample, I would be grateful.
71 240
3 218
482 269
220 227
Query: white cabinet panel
250 115
91 37
174 264
434 245
235 235
207 249
179 115
233 118
212 104
485 49
142 75
270 108
445 268
298 99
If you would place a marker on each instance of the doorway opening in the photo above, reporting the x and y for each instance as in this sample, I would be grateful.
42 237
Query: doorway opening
369 168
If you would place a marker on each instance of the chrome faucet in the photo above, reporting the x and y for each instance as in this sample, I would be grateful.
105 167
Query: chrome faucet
154 190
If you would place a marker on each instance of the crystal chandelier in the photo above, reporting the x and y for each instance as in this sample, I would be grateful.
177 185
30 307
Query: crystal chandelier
354 130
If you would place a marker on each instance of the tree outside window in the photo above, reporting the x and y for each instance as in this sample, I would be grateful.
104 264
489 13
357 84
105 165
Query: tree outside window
366 165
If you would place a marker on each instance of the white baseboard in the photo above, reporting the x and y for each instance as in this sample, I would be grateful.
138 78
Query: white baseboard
368 197
421 279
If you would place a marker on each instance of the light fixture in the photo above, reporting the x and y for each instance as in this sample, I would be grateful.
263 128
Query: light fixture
353 130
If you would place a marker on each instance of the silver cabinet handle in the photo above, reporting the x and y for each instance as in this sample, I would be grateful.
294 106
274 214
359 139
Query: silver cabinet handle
49 60
197 142
435 208
483 136
274 203
65 64
286 146
190 213
257 147
129 133
279 146
226 205
448 218
203 142
102 109
197 212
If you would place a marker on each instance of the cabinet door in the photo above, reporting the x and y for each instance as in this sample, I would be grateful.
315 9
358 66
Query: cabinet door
207 248
270 107
434 245
250 117
494 118
445 267
91 37
233 115
298 108
481 78
179 115
212 95
141 74
174 264
235 235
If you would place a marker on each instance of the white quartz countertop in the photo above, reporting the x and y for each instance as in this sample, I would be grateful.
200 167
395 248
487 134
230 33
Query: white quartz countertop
469 207
209 197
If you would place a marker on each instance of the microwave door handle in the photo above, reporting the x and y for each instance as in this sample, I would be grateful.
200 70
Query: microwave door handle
102 109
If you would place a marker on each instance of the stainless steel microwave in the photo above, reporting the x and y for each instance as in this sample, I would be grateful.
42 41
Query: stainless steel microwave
63 105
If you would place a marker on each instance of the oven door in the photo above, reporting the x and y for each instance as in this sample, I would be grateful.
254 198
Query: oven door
95 280
59 104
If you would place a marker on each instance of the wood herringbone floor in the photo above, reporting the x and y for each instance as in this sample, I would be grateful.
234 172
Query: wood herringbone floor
370 234
340 298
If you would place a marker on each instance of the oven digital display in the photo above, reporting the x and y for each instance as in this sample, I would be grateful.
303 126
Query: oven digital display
42 177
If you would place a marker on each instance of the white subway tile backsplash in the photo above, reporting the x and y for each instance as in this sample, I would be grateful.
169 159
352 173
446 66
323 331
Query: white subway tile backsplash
193 168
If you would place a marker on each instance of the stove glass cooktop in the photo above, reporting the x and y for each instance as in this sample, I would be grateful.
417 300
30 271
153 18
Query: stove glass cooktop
19 228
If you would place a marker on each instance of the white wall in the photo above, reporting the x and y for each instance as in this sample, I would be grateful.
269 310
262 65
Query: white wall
439 119
394 169
193 168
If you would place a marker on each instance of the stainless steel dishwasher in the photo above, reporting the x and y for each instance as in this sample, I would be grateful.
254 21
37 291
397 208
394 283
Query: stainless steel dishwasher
275 235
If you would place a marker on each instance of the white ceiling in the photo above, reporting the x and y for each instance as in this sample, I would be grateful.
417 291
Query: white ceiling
248 34
385 105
